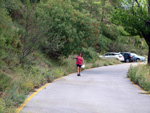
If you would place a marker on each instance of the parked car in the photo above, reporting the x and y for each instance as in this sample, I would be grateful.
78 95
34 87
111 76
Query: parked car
138 58
127 56
113 55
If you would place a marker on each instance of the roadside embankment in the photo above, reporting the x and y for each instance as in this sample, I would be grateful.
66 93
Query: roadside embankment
140 75
16 82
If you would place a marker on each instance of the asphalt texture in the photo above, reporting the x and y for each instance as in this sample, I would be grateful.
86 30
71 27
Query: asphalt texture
99 90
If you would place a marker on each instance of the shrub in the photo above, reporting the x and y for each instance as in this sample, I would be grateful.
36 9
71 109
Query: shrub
89 54
58 72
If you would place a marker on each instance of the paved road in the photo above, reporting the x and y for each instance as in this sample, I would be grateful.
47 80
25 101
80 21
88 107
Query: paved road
99 90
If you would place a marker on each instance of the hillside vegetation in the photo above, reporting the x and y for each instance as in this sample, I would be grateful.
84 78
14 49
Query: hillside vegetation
40 39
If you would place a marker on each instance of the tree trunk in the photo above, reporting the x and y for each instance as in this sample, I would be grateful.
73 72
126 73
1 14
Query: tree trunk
149 7
102 19
148 62
147 39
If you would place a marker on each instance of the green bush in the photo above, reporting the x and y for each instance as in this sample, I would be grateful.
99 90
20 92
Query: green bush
89 54
57 72
68 28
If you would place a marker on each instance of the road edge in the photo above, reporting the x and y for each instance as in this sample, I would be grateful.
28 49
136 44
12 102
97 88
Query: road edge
33 94
138 87
29 98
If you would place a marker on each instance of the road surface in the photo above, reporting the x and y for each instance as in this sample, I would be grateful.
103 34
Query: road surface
99 90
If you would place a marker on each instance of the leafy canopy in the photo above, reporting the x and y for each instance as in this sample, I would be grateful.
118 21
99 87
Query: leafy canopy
134 16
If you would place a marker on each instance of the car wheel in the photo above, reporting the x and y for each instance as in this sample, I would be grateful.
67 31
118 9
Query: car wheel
137 60
127 60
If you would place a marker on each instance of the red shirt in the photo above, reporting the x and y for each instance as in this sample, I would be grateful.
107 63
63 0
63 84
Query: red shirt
79 60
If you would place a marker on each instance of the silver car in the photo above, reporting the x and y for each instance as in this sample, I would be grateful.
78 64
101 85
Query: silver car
113 55
137 58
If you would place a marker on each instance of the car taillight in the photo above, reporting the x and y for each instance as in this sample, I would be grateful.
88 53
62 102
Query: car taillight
120 56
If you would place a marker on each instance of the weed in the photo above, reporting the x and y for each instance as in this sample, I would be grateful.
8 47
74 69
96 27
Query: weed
4 81
2 105
140 75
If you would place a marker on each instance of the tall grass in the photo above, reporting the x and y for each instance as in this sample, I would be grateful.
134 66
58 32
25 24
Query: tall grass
16 83
140 75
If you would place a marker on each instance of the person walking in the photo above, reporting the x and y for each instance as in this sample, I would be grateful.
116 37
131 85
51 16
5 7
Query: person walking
79 63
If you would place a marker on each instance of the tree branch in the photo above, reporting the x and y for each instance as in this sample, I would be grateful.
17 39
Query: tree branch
149 7
133 7
137 3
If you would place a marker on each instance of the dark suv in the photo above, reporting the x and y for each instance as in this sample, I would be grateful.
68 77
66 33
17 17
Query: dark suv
127 56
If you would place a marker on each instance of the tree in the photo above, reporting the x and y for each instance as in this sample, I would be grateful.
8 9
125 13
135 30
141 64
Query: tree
74 28
134 16
7 35
31 29
101 10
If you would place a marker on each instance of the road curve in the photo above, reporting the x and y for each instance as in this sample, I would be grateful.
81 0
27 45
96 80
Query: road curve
99 90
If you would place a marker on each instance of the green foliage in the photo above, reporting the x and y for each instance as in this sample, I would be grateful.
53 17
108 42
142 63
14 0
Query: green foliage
72 27
4 82
101 11
29 30
128 44
103 44
2 105
102 62
134 17
32 30
10 95
7 35
89 54
134 23
14 97
140 75
110 31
